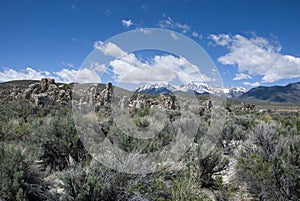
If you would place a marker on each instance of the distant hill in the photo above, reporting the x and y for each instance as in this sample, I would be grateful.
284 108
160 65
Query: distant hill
284 94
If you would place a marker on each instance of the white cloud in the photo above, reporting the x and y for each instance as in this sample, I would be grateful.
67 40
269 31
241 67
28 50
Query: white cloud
241 76
197 35
65 75
83 75
220 39
98 67
109 49
255 84
257 56
184 27
25 74
127 23
168 23
129 69
86 75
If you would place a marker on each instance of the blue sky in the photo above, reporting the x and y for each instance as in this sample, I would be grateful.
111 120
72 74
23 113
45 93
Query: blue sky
251 42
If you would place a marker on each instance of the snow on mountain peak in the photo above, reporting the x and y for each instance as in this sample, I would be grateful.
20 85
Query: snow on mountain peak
199 87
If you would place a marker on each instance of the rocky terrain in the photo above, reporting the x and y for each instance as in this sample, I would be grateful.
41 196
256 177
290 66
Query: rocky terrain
41 93
47 92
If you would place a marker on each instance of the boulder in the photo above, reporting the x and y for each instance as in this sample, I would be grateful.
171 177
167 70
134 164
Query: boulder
41 99
44 84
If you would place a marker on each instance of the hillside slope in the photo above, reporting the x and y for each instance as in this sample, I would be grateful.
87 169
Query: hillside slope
284 94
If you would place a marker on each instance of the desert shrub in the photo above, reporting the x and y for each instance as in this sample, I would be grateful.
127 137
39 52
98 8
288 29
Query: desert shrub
270 164
165 186
266 118
135 145
152 186
141 122
129 143
91 183
17 129
235 130
289 126
226 192
20 179
59 141
187 188
206 168
17 119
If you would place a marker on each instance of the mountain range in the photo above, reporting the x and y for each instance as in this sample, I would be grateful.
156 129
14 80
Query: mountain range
196 87
285 94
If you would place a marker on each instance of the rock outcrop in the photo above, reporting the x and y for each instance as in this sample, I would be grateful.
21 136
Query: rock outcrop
162 101
47 92
41 93
104 98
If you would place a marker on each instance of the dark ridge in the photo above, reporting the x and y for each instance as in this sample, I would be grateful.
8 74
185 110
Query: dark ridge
283 94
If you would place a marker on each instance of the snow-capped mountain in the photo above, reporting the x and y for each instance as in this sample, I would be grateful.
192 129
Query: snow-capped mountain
158 88
198 87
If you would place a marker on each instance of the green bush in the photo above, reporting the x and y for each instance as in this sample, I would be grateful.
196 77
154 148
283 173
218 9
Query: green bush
60 141
270 164
206 168
92 183
20 179
187 188
235 129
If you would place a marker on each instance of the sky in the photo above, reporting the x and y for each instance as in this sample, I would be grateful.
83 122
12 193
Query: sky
251 42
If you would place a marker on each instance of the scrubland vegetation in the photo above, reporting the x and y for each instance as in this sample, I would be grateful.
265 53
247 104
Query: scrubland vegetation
257 157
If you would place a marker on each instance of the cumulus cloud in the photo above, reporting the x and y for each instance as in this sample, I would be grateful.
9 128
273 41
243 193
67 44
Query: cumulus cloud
67 75
83 75
98 67
127 23
109 49
129 69
257 56
86 75
241 76
25 74
126 67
